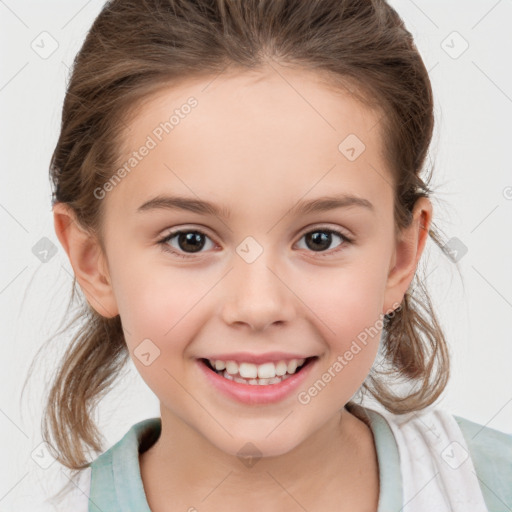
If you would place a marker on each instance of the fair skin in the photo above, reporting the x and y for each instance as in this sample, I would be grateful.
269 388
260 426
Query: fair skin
257 147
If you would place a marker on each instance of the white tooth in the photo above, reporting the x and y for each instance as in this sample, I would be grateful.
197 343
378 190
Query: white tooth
212 362
266 371
292 366
248 370
255 382
232 367
249 373
281 368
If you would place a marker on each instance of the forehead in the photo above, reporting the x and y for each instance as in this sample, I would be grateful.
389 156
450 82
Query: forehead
267 137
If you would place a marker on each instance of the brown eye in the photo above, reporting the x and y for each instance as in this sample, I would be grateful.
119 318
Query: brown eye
190 241
186 242
320 240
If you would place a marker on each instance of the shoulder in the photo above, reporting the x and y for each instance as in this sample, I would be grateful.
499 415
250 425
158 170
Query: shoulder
59 489
491 452
490 449
456 439
483 439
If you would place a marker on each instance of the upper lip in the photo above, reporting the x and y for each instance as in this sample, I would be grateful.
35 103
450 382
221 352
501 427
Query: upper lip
245 357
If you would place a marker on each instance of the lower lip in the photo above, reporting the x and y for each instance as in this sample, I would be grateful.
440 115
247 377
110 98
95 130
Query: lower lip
256 394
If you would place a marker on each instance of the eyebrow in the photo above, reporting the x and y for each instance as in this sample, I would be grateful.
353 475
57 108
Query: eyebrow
320 204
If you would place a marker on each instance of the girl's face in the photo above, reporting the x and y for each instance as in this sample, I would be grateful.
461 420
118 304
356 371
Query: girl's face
260 273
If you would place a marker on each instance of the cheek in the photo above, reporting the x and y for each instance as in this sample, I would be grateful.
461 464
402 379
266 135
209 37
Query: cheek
350 323
159 311
159 303
346 304
344 299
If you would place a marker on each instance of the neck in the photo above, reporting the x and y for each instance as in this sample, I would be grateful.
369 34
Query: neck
338 459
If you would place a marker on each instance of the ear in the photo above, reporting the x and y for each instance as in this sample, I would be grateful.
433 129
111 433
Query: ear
407 254
87 259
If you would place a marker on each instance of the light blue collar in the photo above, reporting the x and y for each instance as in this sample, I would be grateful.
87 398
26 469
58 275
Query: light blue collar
116 483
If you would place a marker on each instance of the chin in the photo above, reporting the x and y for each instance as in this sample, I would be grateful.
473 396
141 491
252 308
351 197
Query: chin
250 449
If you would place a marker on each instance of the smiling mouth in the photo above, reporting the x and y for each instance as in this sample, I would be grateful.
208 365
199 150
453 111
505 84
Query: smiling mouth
271 378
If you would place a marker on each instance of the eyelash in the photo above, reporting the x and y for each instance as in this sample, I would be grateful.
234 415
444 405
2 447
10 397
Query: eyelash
165 247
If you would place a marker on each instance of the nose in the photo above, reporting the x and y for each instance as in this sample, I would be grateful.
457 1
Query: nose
259 295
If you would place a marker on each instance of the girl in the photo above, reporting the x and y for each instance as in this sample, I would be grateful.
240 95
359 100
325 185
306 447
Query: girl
237 187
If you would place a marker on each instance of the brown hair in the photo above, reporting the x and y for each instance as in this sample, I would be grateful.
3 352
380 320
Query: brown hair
136 47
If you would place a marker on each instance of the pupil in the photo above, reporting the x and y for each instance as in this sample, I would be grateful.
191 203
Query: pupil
319 237
193 239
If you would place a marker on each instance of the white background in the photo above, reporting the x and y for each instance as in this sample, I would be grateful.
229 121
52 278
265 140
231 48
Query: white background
470 151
